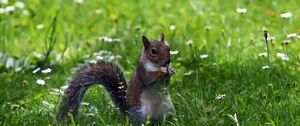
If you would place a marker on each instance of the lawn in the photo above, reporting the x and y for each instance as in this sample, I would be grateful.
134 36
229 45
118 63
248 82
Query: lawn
227 72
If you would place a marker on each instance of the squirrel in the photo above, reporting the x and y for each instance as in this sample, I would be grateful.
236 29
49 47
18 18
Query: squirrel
145 96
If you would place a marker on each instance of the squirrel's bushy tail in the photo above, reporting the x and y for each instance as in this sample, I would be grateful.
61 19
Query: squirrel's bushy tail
108 75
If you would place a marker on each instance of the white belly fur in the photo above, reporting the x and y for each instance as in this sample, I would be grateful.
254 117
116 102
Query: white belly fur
155 103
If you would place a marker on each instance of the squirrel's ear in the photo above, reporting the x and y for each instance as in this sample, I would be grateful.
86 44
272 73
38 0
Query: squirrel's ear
146 42
162 37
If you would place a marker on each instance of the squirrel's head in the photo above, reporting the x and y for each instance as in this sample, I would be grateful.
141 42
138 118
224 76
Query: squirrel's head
156 51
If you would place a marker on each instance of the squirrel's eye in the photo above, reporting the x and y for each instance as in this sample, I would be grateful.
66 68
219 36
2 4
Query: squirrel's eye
153 51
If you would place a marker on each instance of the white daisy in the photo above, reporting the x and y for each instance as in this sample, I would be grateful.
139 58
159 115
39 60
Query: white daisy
203 56
20 5
286 15
293 35
220 96
282 56
48 70
2 10
241 10
4 1
40 26
36 70
265 67
40 82
9 9
287 41
175 52
189 42
172 27
263 54
78 1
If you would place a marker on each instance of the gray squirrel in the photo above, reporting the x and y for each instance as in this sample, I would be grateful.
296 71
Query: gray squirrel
145 96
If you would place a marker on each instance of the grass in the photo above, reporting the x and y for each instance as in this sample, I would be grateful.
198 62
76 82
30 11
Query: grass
232 41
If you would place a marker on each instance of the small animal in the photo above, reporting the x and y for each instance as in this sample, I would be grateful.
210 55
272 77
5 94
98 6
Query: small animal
145 97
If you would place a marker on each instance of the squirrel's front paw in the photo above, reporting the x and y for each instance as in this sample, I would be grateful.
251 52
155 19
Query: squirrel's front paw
167 70
171 70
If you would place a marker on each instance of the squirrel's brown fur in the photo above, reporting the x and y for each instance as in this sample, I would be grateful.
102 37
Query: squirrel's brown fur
145 96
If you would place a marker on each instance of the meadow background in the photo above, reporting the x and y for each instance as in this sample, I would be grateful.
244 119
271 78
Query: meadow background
223 76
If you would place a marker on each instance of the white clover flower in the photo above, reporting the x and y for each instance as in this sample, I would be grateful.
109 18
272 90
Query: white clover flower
282 56
189 42
48 70
20 5
175 52
40 82
263 54
241 10
286 15
36 70
293 35
40 26
203 56
220 96
9 9
265 67
2 10
172 27
78 1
